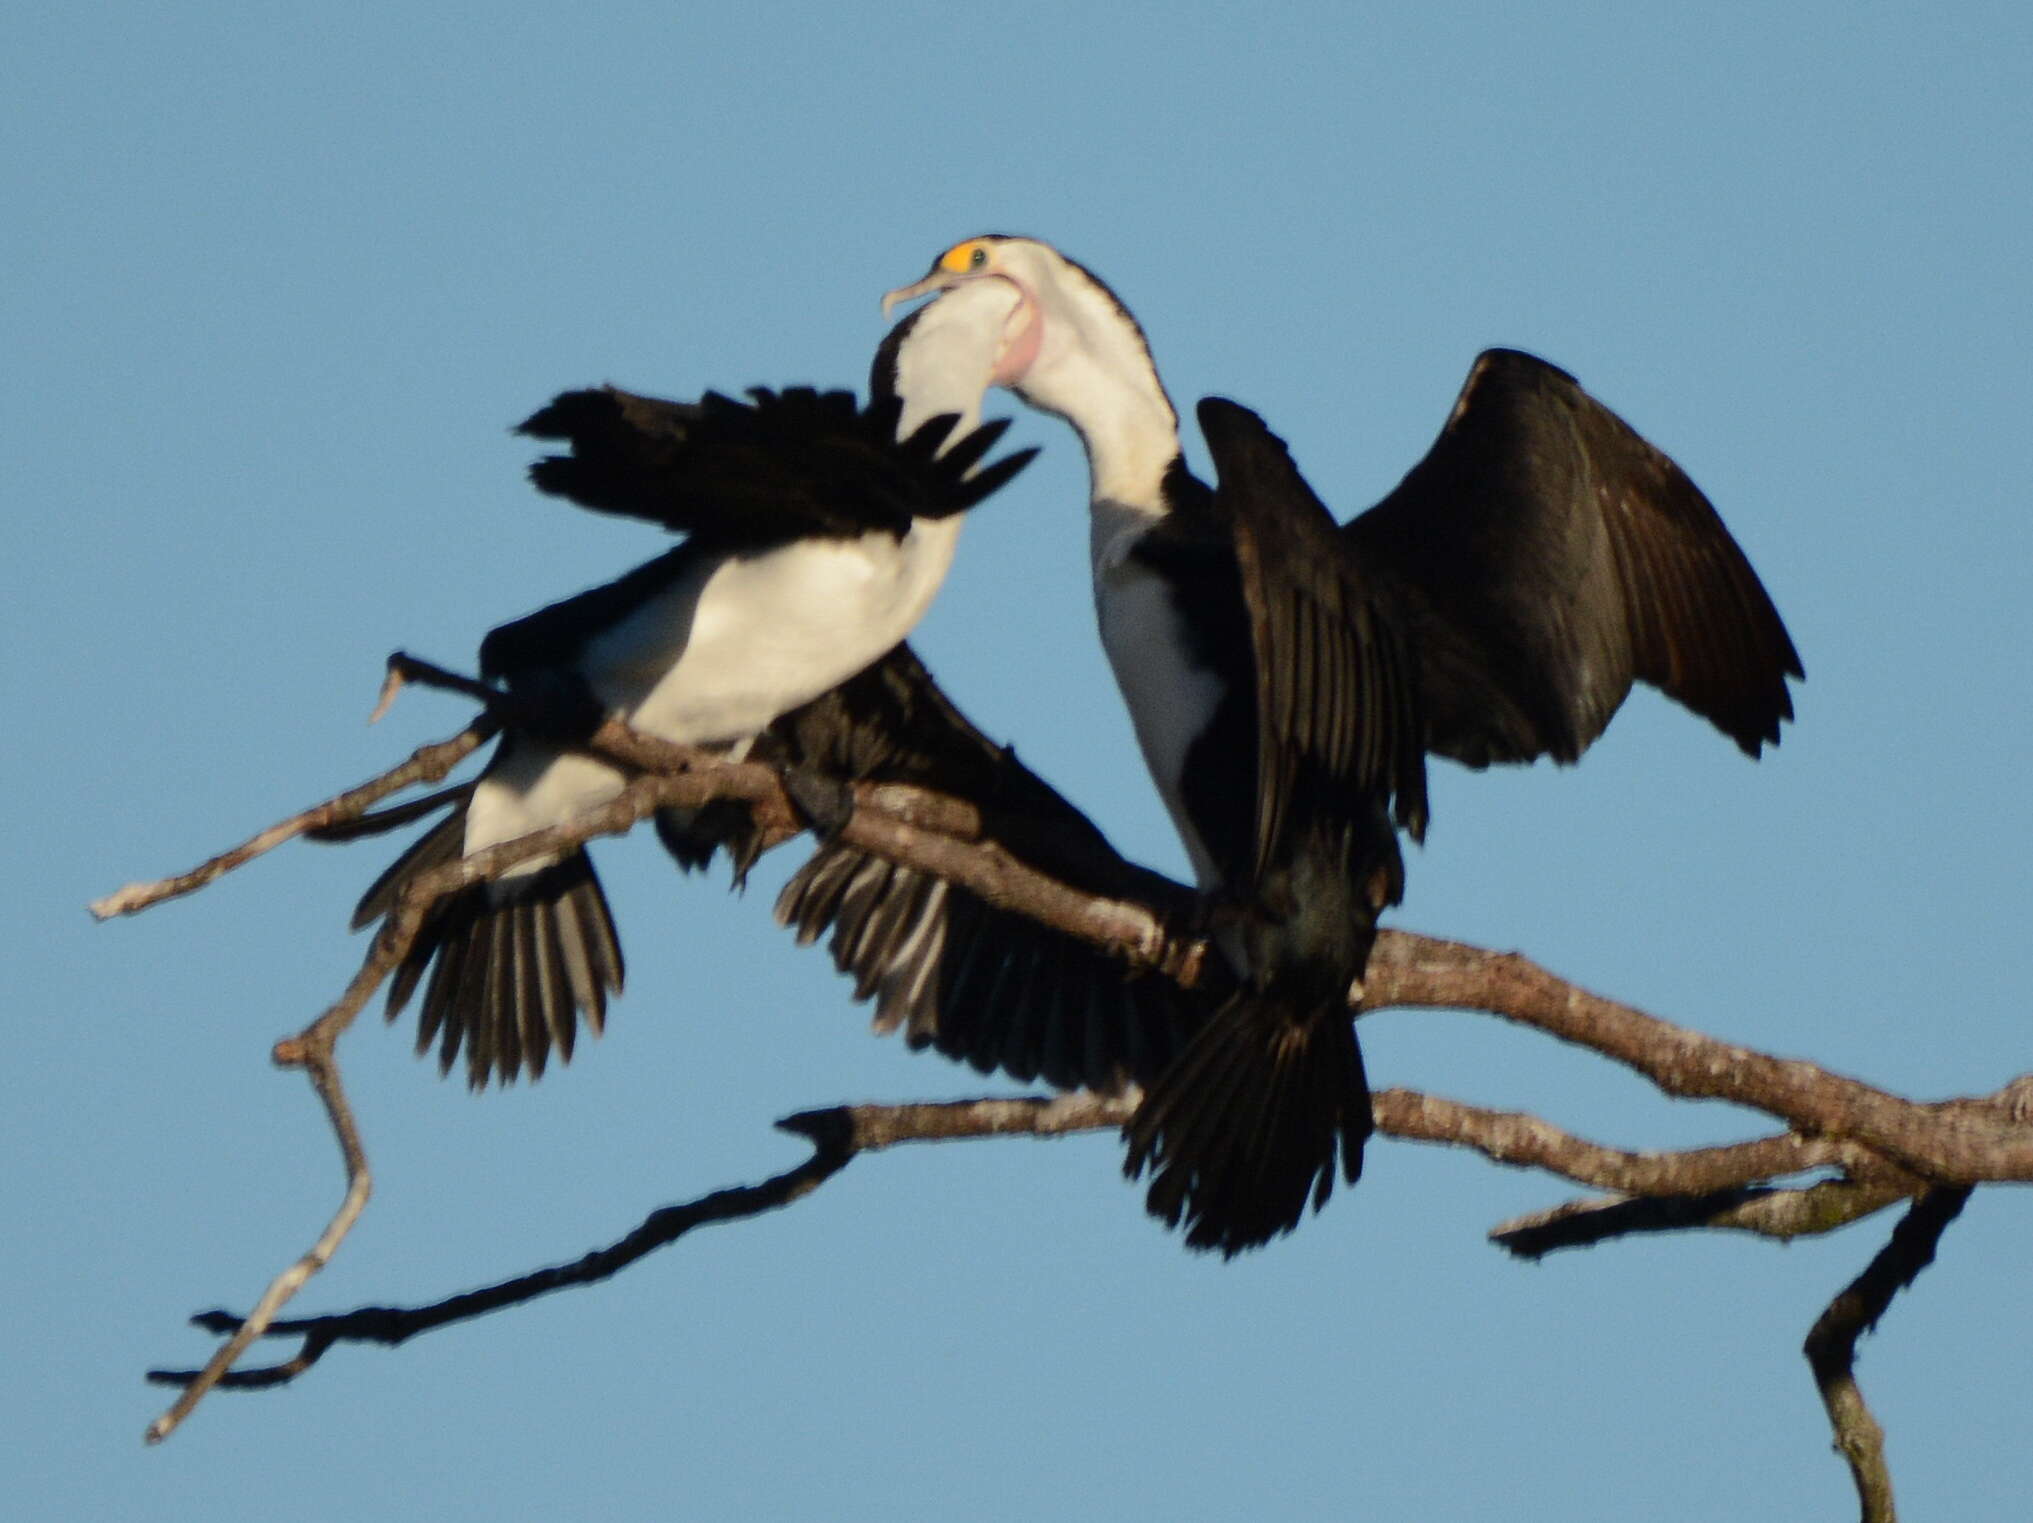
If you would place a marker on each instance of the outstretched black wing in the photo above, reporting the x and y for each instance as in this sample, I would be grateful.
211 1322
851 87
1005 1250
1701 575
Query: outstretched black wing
782 466
978 983
1545 557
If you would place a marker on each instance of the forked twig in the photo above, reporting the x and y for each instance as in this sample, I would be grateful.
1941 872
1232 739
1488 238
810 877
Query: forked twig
837 1135
427 764
324 1072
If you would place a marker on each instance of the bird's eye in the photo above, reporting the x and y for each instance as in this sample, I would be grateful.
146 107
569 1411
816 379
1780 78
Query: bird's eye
978 258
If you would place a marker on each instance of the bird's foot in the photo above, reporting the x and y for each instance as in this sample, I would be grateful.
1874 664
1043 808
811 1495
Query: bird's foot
826 802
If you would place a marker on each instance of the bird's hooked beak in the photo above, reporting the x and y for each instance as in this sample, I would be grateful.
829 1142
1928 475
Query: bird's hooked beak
937 281
1022 335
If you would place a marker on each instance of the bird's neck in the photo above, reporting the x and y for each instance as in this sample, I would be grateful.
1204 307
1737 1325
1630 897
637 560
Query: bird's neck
1101 380
941 359
1132 438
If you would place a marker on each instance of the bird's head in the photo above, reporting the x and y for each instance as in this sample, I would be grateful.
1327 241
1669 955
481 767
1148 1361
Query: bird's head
1070 347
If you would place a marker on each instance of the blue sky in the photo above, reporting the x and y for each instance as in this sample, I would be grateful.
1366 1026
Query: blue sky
277 284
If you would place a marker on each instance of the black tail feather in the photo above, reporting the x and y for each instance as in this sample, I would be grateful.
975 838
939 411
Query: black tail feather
514 965
1245 1128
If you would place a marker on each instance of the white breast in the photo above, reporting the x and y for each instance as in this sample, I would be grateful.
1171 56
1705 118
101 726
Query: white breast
723 652
720 654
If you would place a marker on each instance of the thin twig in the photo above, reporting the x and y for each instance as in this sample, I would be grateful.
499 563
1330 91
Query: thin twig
1832 1343
1781 1214
324 1074
836 1134
1525 1141
315 1050
427 764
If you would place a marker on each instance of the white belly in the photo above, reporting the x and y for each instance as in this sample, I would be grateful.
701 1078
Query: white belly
531 786
717 656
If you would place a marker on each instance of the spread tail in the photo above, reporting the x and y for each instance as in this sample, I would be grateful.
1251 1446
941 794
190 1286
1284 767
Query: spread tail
517 962
1245 1126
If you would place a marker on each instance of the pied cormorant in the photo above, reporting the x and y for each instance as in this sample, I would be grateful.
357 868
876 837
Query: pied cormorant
1286 675
816 537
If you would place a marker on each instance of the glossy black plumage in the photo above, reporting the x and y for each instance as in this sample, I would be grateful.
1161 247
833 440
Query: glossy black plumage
1338 698
1497 606
1543 555
1250 1124
980 984
783 466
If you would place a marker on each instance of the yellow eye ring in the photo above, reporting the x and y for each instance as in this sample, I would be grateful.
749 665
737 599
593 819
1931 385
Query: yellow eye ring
964 257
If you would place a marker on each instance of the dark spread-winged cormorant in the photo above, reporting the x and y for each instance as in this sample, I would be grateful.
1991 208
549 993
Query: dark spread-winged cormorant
1285 676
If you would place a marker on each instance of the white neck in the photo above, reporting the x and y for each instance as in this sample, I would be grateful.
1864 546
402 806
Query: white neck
944 366
1132 437
948 356
1094 371
1128 427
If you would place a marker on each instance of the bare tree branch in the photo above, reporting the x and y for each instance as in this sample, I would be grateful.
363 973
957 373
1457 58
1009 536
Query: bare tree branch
427 764
1881 1147
1832 1343
837 1134
1964 1141
1776 1213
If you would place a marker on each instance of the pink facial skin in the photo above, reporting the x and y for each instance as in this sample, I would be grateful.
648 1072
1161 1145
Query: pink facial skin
1021 351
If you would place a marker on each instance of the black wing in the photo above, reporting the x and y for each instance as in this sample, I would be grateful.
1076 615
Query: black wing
978 983
750 475
1338 718
1546 556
